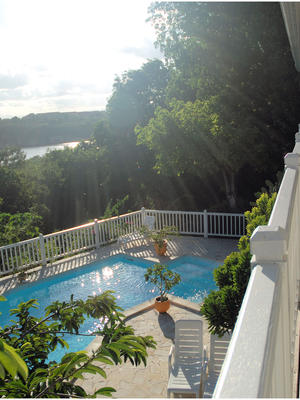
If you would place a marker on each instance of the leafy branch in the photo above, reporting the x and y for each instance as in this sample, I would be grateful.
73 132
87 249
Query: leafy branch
26 372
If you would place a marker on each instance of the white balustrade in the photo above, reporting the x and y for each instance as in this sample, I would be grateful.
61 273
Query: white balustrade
69 241
48 248
201 223
261 354
19 255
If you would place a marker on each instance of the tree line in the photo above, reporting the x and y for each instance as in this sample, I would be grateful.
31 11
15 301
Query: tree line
202 129
47 128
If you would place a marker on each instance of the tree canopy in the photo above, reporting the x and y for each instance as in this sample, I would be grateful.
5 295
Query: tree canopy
230 64
184 133
26 343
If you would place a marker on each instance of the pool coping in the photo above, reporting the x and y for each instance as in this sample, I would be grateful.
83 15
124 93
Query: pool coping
149 304
146 306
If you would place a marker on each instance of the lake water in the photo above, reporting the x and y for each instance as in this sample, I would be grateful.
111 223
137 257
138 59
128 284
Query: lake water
42 150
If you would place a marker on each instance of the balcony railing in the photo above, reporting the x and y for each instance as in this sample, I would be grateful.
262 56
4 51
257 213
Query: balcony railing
260 358
48 248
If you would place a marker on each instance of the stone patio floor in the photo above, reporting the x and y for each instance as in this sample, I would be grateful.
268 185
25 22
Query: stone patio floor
150 381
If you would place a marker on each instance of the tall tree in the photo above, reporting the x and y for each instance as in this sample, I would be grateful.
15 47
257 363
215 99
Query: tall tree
135 96
233 62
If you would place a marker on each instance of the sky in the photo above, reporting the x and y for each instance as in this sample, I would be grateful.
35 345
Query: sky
63 55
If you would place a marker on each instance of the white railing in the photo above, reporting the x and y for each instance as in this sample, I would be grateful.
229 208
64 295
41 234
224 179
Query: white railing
260 358
48 248
20 255
201 223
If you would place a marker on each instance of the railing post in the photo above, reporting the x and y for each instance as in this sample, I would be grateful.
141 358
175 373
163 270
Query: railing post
205 223
42 248
97 236
143 215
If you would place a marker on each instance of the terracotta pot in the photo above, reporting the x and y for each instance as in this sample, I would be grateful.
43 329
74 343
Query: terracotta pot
161 250
161 306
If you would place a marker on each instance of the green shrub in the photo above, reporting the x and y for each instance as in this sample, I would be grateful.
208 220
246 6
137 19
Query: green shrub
221 307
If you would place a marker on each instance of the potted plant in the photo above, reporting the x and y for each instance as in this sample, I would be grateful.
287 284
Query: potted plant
159 237
164 279
22 276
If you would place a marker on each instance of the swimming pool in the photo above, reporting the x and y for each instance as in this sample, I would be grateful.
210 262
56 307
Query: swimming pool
124 275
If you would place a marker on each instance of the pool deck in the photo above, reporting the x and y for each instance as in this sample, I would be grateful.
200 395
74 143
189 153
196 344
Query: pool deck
150 381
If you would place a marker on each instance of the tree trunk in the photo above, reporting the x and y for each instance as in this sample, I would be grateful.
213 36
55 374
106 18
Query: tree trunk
230 189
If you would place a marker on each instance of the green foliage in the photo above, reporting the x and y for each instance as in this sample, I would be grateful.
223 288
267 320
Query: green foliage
17 227
25 371
11 156
135 96
218 111
10 362
159 236
260 214
221 116
115 209
163 278
221 307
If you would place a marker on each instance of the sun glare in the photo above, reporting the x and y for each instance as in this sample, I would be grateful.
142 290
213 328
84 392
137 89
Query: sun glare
107 273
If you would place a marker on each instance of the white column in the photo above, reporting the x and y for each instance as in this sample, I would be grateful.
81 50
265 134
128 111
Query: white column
143 215
42 248
97 236
205 223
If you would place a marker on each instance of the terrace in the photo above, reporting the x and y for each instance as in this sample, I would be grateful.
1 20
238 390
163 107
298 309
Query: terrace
262 358
209 235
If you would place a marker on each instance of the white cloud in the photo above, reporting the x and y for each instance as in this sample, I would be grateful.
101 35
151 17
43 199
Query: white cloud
67 53
12 81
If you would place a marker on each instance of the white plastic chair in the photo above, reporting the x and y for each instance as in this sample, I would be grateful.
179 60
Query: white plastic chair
217 352
149 222
186 371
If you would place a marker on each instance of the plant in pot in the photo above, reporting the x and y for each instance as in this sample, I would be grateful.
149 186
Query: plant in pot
22 276
159 237
164 279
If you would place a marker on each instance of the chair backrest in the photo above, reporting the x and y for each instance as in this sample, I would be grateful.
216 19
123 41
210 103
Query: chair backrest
188 340
218 350
149 222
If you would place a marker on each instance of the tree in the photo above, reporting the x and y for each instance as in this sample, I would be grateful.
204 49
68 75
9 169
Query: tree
17 227
188 137
135 96
235 59
32 339
13 189
221 307
11 156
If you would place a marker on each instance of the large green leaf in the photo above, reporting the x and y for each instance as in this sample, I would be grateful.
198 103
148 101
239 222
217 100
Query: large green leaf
105 391
11 361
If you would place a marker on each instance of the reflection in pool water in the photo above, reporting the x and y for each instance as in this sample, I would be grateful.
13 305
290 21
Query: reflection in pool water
123 275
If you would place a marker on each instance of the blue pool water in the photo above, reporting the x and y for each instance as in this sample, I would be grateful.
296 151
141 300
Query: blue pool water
124 275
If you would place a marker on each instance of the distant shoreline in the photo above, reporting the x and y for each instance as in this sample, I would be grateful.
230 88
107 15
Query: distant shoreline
33 151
